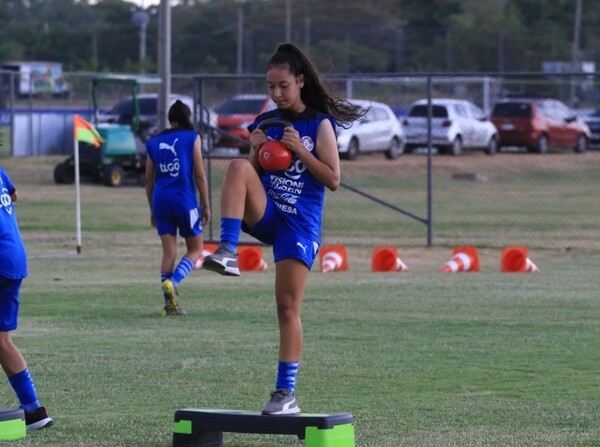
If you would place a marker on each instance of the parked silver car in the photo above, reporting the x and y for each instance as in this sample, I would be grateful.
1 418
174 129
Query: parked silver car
456 124
378 131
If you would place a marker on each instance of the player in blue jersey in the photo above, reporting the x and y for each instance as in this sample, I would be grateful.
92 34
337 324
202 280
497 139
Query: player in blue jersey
13 269
285 208
174 171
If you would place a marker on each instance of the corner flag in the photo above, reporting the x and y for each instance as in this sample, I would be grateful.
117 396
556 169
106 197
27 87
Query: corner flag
86 132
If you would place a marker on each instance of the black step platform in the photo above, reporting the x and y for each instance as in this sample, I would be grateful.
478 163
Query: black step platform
201 427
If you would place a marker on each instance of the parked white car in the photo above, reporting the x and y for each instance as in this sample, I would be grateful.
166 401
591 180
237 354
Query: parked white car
378 131
455 125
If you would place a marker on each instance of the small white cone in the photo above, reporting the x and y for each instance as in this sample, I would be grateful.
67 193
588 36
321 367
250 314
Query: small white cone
200 261
530 266
331 261
401 266
263 265
458 263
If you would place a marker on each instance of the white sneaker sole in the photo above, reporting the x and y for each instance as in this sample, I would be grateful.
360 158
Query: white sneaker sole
291 410
42 423
216 266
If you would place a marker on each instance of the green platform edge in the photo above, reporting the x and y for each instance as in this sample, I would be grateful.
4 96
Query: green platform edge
12 429
337 436
183 427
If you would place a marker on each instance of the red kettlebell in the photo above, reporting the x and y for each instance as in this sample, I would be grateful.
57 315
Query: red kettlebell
273 155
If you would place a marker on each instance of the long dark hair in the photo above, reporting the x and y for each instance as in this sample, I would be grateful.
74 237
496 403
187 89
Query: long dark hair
315 92
181 114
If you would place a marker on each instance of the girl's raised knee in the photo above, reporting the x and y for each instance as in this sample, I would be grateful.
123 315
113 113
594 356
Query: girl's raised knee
239 164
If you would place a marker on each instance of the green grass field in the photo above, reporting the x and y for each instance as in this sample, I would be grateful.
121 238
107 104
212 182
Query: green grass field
419 358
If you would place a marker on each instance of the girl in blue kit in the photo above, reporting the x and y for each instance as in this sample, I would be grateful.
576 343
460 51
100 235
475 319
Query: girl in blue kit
174 171
13 269
284 209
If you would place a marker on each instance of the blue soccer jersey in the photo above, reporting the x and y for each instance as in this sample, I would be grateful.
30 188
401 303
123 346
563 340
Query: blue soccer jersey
13 257
172 152
296 193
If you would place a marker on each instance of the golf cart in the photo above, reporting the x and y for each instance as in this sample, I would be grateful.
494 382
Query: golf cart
122 155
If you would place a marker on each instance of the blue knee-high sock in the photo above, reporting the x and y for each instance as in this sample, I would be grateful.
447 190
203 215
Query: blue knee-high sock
230 232
183 269
24 387
286 375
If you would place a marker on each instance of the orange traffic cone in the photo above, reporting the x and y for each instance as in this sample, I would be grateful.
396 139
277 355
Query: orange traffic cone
208 249
515 259
385 259
333 257
250 258
464 259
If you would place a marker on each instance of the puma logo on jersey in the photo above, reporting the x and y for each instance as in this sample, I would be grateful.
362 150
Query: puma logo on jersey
168 147
303 247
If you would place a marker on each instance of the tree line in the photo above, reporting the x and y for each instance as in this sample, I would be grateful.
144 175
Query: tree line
344 36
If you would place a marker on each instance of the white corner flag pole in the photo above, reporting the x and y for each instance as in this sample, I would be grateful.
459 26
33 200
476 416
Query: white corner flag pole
77 195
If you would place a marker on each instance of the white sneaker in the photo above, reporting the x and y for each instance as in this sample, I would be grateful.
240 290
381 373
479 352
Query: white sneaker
222 261
282 402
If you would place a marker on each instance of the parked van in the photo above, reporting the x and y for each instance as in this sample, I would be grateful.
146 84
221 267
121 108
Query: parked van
35 78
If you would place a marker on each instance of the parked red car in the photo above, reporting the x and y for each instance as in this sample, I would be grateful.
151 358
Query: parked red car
235 114
539 124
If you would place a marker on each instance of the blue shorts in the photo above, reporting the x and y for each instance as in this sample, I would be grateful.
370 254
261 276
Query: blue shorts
287 244
9 303
189 223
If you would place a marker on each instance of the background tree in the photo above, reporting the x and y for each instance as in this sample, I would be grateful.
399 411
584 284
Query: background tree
427 27
357 36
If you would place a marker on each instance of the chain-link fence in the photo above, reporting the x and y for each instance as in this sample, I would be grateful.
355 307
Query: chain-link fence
513 197
542 200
